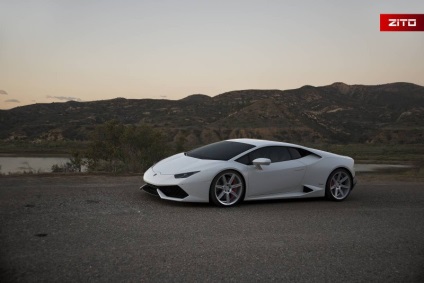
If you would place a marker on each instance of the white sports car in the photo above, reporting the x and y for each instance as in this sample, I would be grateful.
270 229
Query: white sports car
228 172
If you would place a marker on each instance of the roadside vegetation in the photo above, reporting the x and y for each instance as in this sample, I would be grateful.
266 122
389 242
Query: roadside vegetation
403 154
379 153
117 148
113 148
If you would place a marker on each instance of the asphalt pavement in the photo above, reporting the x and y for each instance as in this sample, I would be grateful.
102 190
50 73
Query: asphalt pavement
100 228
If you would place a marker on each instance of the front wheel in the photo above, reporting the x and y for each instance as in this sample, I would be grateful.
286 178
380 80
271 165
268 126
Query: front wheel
227 188
339 185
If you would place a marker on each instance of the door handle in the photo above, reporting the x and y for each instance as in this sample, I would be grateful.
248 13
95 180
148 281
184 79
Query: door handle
299 169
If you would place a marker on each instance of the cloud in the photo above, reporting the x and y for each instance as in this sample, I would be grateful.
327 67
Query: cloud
12 100
3 92
67 98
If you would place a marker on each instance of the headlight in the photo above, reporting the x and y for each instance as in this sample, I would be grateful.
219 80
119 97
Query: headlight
185 175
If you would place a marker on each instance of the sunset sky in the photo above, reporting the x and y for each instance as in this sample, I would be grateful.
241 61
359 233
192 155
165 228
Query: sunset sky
58 50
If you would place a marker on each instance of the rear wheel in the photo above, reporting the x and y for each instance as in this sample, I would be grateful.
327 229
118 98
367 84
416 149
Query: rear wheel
339 185
227 188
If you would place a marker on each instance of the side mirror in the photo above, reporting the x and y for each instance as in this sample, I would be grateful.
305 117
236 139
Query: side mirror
261 161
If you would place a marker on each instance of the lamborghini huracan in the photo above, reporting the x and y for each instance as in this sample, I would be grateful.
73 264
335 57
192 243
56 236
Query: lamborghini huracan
228 172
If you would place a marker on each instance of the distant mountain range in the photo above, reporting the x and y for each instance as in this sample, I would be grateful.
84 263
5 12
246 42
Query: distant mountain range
338 113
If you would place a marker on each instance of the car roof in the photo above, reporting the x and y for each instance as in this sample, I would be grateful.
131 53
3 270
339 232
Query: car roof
261 143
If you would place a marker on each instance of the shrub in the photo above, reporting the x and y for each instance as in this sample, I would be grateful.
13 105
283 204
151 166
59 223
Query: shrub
115 147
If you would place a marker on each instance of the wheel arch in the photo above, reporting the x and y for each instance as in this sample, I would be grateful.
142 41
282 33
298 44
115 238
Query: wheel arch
243 178
337 168
331 173
230 169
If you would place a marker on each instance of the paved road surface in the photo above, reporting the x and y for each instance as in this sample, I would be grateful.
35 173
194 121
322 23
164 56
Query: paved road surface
93 228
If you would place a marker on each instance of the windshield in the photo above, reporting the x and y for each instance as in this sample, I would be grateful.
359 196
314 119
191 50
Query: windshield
223 150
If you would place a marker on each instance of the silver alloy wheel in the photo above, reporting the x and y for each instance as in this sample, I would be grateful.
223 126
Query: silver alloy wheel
340 185
228 188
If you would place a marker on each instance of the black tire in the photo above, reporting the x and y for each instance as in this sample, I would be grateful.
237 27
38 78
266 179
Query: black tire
227 189
339 185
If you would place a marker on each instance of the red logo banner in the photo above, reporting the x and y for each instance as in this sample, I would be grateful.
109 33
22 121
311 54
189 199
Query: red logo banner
401 22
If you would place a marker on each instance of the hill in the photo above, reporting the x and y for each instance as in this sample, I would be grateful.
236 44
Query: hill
338 113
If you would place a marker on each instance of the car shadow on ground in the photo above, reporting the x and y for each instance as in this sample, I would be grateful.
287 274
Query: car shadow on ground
157 200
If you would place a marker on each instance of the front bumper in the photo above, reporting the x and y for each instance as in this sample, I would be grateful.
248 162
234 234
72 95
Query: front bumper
191 189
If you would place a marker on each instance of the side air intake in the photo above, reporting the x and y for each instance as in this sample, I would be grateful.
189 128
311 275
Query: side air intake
169 191
150 189
307 189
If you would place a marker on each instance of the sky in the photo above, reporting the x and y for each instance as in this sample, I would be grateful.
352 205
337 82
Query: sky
84 50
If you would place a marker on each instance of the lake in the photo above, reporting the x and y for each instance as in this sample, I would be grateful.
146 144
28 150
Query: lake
20 164
377 167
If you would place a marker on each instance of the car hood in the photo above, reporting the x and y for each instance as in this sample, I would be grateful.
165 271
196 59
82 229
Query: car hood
180 163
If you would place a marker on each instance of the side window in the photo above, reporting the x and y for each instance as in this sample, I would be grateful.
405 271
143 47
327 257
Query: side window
244 159
294 153
279 154
304 152
274 153
297 153
259 153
